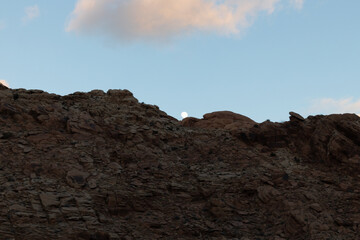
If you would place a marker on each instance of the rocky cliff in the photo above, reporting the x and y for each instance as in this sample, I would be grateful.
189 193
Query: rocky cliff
104 166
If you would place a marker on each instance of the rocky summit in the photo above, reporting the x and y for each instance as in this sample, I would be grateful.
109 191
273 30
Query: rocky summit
102 166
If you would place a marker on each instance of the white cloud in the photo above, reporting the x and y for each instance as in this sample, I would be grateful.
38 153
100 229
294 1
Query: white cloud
164 19
31 13
329 106
3 82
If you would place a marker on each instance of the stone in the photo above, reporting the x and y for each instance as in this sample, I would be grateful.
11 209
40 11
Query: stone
76 178
115 167
316 207
92 183
294 115
49 200
267 193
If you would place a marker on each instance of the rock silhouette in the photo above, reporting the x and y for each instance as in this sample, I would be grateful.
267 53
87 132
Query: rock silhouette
102 165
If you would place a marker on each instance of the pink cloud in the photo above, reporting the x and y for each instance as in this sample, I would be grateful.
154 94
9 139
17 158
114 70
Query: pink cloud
164 19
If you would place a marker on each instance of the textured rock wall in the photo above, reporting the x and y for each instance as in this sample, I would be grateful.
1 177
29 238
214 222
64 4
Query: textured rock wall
104 166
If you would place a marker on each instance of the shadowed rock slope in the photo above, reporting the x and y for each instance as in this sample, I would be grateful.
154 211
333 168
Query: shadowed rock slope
104 166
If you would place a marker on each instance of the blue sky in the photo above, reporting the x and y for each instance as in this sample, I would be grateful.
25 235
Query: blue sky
278 56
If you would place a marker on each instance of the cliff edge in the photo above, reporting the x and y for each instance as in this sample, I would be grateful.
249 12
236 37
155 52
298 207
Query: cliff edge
102 165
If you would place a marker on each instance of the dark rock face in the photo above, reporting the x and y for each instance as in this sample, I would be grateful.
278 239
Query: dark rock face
220 120
103 166
328 139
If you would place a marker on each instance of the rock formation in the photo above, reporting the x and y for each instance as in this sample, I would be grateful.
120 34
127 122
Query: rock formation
104 166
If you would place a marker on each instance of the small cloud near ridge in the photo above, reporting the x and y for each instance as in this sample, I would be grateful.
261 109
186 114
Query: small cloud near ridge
330 105
128 20
3 82
31 13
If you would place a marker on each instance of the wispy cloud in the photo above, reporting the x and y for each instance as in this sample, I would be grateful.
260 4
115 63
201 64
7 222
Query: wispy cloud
3 82
298 3
330 105
31 13
164 19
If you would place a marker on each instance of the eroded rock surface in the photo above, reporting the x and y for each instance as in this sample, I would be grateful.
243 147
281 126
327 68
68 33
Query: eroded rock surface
104 166
220 120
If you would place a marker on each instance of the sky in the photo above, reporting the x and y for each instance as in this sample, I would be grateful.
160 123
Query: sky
259 58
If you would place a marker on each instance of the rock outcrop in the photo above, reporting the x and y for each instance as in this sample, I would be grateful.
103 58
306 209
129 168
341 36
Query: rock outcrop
220 120
104 166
